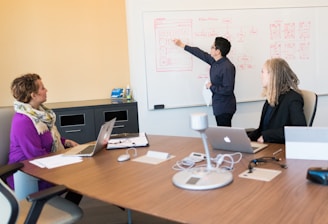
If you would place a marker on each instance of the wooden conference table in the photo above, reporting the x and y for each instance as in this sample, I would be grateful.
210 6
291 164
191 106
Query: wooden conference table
288 198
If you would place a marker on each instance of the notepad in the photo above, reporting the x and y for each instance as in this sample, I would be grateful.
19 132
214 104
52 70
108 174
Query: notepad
127 142
260 174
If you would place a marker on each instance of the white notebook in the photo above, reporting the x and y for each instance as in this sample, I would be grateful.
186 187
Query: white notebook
128 142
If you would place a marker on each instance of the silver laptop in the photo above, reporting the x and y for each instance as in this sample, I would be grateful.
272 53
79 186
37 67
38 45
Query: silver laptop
232 139
91 149
306 143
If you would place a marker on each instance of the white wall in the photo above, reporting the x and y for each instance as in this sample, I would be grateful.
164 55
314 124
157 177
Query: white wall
176 121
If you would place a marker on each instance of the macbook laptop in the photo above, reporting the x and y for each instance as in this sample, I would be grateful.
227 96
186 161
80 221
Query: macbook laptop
91 149
232 139
306 143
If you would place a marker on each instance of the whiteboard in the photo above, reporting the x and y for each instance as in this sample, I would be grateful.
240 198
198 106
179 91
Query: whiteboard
176 79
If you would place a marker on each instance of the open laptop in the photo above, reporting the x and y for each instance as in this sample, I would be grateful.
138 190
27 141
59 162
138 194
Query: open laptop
232 139
91 149
306 142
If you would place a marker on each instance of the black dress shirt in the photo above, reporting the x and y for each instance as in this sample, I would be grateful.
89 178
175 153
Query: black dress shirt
222 76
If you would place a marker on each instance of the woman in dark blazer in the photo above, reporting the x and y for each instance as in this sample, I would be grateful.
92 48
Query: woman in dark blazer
283 105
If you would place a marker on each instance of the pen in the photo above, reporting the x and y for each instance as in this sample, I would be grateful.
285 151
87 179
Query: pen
276 152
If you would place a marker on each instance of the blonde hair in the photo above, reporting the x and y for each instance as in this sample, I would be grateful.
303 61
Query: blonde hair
281 80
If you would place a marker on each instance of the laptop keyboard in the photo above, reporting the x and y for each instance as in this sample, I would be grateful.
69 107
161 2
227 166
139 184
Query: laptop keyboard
87 150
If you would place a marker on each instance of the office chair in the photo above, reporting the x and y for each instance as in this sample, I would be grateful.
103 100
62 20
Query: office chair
310 105
41 207
30 183
6 114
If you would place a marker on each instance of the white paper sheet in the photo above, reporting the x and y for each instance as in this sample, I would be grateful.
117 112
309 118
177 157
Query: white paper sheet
207 94
56 161
260 174
153 157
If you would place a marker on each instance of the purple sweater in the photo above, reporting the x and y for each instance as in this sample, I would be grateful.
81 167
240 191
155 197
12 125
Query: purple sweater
26 143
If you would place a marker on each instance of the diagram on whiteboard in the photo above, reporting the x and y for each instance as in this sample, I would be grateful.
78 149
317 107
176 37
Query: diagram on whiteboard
168 56
175 78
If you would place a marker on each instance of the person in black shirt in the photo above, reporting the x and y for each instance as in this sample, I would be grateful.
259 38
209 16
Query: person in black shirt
283 105
222 78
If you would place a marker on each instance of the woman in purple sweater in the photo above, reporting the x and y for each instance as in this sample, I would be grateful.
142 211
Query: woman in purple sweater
33 131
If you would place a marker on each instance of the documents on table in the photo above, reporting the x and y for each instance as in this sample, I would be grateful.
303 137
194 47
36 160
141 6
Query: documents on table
154 157
260 174
56 161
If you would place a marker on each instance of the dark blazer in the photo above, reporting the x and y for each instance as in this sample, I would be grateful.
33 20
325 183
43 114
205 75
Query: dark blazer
289 112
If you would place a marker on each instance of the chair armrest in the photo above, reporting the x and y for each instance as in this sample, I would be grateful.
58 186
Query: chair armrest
47 193
38 200
9 169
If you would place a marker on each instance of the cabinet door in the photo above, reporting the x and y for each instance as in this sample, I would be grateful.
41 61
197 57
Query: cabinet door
126 117
76 124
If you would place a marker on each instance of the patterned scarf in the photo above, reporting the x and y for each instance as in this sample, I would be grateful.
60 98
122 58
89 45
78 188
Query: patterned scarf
43 120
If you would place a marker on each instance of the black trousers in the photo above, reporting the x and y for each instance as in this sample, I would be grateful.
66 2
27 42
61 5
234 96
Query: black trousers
74 197
224 119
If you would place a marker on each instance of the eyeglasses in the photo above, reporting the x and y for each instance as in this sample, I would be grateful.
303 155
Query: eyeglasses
265 160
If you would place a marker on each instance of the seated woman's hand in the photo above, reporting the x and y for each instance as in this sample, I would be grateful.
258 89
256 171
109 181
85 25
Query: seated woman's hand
70 143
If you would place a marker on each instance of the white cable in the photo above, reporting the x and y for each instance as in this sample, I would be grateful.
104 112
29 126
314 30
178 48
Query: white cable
227 158
134 149
183 164
220 159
